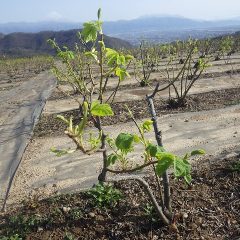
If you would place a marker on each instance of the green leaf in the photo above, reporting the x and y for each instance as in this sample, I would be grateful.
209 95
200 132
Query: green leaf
90 31
101 110
165 155
136 138
186 156
128 58
111 52
112 158
124 141
198 152
147 125
121 73
61 152
188 178
63 119
102 45
165 161
154 149
182 168
92 54
121 60
66 55
111 56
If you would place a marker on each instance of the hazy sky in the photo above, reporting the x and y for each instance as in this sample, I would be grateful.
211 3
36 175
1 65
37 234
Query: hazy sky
80 10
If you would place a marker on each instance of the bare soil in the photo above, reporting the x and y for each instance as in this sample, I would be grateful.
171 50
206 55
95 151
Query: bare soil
207 209
208 75
49 125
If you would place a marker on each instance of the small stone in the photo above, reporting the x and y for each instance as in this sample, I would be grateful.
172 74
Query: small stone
66 209
91 214
231 155
170 125
199 221
204 225
54 185
235 132
185 215
193 226
186 120
135 204
40 229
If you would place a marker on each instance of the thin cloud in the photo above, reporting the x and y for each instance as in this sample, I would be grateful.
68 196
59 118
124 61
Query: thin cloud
54 16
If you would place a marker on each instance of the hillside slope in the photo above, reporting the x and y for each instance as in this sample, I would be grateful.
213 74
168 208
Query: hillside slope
27 44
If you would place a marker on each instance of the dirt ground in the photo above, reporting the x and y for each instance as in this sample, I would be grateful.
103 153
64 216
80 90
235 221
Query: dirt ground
209 209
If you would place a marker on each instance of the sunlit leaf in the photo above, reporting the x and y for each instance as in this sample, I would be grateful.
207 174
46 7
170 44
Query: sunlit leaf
147 125
90 31
121 73
101 110
165 160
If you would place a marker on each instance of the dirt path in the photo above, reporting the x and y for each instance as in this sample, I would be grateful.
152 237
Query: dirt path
42 173
20 108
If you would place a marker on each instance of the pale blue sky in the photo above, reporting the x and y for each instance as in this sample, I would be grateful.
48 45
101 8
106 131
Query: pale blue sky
82 10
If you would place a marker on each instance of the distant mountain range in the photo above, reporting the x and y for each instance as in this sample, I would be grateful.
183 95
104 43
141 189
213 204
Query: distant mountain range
24 39
27 44
154 28
142 24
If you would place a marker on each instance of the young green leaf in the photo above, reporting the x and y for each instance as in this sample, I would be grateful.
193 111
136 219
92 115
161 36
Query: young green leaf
110 53
92 54
182 168
121 60
154 149
198 152
101 110
136 138
165 161
112 158
121 73
102 45
124 141
66 55
90 31
111 56
188 178
63 119
147 125
129 58
61 152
